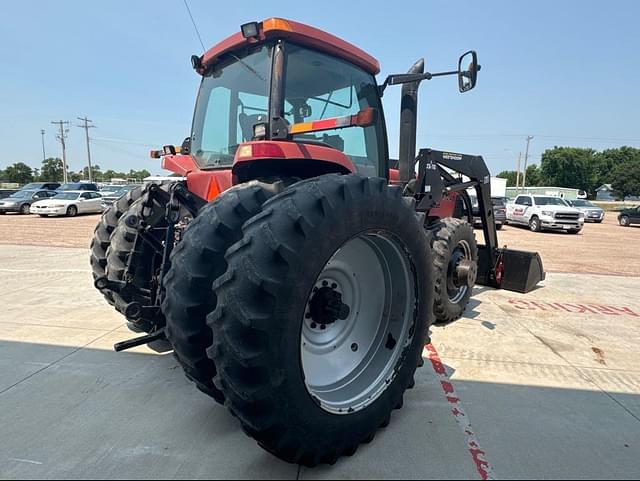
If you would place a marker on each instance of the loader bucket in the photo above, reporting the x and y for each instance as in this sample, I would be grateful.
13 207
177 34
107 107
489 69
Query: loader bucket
521 271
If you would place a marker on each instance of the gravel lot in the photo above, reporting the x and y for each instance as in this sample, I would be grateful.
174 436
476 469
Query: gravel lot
603 248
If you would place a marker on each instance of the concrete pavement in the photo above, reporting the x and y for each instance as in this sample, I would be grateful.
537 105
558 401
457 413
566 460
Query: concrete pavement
539 386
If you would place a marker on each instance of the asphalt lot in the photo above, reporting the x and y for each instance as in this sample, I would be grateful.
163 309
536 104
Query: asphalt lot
539 386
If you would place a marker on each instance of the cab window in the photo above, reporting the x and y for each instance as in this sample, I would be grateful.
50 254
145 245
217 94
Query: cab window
523 200
233 97
317 87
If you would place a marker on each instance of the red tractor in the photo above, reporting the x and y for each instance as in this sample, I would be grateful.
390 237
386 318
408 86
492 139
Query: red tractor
297 270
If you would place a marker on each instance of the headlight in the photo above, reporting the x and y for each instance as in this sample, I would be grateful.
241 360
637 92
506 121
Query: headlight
57 206
10 204
547 212
582 215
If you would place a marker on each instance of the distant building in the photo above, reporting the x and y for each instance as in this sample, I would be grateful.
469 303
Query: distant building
562 192
605 192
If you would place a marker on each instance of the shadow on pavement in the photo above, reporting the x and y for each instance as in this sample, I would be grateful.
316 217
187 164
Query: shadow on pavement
69 413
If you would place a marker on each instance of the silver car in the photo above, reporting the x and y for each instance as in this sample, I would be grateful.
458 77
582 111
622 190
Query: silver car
592 213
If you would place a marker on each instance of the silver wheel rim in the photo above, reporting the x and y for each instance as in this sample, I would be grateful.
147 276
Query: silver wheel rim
624 221
461 252
348 364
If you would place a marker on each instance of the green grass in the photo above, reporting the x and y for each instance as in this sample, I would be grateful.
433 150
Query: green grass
616 206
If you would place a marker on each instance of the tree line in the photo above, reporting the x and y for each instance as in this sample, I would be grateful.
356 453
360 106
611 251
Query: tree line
585 169
51 171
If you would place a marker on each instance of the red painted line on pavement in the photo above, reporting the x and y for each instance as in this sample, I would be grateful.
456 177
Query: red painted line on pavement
477 454
599 309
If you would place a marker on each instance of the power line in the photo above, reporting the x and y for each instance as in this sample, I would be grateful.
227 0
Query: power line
86 128
194 25
62 135
542 136
44 155
526 158
123 141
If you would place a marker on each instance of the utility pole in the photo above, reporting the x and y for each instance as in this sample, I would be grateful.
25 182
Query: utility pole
526 158
44 155
86 128
518 174
62 135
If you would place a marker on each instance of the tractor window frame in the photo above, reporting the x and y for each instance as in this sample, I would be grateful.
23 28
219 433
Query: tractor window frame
232 127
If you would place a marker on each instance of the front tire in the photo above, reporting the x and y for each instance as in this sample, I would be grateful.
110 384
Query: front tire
309 258
195 263
456 263
535 225
25 209
72 211
624 221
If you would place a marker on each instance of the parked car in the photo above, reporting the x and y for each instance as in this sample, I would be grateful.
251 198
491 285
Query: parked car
109 197
69 203
22 200
90 186
629 216
592 213
499 211
542 212
41 186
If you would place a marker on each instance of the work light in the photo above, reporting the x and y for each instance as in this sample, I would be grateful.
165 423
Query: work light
250 30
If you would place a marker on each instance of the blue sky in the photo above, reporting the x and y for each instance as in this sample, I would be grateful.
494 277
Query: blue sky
564 71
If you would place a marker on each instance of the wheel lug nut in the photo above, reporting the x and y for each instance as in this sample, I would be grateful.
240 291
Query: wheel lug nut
334 286
325 283
307 315
323 327
313 325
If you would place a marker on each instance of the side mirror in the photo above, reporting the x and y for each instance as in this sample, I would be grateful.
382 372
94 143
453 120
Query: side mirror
468 69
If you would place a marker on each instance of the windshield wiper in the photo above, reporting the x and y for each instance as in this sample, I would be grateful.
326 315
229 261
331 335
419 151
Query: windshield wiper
249 68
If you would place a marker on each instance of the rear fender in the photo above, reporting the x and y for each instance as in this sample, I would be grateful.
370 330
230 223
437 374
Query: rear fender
264 159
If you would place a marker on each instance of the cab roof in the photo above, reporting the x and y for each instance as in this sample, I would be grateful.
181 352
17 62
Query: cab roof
300 33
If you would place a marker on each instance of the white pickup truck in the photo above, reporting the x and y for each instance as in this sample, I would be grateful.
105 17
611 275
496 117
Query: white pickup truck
542 212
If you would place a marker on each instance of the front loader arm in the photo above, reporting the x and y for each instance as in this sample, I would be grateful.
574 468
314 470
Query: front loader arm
504 268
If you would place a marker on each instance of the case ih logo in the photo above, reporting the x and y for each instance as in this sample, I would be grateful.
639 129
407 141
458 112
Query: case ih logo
518 211
573 308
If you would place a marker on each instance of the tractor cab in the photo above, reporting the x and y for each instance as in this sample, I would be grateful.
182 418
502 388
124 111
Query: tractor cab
280 98
288 85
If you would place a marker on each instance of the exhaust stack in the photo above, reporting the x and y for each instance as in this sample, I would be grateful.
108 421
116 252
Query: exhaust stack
409 125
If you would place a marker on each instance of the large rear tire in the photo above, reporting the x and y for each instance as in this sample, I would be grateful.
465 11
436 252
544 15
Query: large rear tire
195 263
326 252
137 263
455 259
102 235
